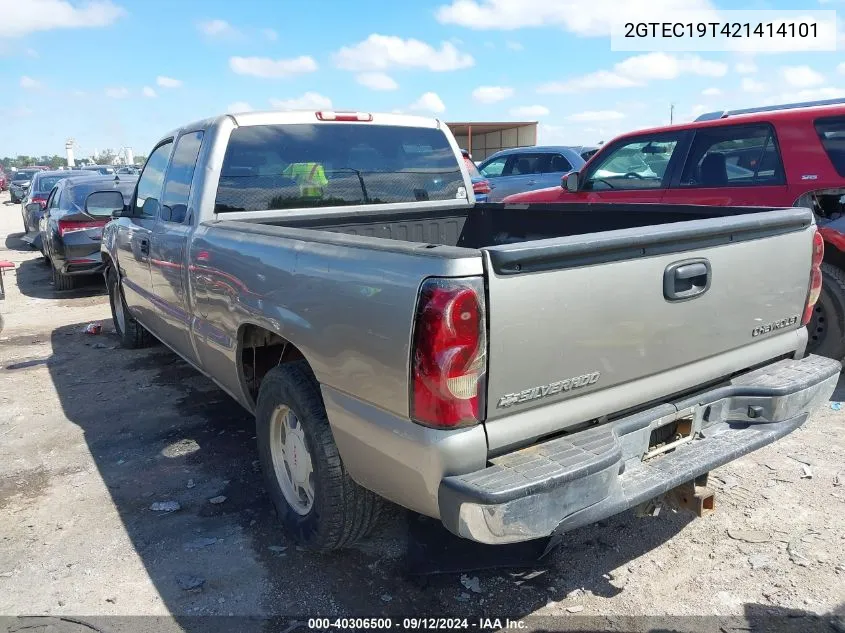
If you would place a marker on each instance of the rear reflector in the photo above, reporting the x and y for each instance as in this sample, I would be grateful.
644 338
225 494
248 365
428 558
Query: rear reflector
449 356
67 226
815 287
344 116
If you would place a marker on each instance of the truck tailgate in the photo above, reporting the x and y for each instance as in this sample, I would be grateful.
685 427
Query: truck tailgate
573 316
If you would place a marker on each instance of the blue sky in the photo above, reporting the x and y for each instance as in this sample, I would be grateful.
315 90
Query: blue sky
114 73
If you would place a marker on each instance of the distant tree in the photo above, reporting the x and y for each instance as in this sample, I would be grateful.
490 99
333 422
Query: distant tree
106 157
140 159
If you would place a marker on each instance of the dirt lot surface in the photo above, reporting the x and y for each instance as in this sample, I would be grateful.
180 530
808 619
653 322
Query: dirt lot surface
91 436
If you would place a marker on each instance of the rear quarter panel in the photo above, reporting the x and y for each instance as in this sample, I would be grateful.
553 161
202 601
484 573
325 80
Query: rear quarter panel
346 302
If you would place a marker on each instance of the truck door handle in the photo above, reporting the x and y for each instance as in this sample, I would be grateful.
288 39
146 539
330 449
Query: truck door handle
145 247
686 279
532 182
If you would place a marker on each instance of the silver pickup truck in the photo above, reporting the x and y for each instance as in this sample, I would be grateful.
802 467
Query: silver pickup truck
515 371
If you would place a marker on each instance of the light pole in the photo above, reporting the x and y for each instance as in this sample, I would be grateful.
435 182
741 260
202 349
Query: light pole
671 113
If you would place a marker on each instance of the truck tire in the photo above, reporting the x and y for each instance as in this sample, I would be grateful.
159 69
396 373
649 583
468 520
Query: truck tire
62 281
826 329
316 500
132 334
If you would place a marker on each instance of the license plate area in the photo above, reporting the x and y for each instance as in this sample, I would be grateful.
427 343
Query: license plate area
670 432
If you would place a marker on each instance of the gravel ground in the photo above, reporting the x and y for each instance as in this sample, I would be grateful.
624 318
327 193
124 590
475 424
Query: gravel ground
93 436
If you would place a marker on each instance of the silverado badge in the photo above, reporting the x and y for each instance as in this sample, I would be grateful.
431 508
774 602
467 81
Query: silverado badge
541 391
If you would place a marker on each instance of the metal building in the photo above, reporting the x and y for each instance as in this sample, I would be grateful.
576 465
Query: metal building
482 138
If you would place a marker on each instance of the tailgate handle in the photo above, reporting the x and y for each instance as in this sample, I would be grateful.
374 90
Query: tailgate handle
686 279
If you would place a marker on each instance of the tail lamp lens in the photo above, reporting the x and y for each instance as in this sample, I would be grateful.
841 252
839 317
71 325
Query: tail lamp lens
815 289
449 356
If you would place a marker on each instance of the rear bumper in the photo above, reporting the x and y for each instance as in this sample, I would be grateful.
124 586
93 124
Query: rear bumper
592 474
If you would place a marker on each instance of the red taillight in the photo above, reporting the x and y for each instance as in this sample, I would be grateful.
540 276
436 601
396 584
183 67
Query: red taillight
41 201
482 186
344 116
69 226
449 357
815 288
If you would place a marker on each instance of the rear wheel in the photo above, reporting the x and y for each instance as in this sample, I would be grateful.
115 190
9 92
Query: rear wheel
826 329
132 334
316 500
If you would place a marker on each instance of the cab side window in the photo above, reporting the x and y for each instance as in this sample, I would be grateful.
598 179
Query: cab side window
732 156
180 175
640 163
149 184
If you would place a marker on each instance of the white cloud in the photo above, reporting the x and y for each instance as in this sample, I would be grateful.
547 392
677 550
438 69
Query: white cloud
239 106
117 93
663 66
377 81
571 15
28 83
810 94
514 46
31 16
429 102
745 68
530 111
217 28
638 70
752 85
308 101
591 116
801 76
593 81
149 92
711 92
380 52
491 94
168 82
31 52
270 34
841 68
275 68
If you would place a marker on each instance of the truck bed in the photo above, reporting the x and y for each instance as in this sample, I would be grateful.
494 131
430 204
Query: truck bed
497 224
579 291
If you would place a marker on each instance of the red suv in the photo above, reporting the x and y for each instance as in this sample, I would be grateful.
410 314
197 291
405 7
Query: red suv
778 156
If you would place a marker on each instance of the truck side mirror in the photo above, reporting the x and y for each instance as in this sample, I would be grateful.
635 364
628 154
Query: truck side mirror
569 182
104 204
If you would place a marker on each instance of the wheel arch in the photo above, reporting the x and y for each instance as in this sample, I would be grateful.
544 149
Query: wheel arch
260 349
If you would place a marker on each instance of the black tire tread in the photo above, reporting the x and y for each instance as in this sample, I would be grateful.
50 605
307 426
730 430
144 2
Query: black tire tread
135 336
348 512
836 349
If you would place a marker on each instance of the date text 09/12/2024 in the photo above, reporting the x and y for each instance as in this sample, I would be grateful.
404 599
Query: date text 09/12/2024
445 624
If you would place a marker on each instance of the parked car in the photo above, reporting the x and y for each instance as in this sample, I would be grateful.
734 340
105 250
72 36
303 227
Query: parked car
127 170
480 185
514 372
586 151
4 180
71 228
103 170
527 168
35 201
20 184
775 156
